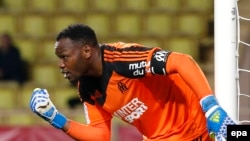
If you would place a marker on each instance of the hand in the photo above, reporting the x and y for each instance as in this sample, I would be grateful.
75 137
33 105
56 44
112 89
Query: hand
217 118
41 105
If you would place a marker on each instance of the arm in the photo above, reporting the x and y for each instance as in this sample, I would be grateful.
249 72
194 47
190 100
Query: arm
190 72
217 118
97 129
83 132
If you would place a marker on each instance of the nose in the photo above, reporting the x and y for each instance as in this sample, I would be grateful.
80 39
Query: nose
61 64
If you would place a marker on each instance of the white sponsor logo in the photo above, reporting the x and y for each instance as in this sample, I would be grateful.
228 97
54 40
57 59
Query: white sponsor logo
131 111
160 56
137 67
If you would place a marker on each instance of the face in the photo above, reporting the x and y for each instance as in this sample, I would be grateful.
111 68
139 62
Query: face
72 58
5 41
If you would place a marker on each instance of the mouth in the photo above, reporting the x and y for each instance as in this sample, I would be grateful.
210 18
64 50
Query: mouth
65 74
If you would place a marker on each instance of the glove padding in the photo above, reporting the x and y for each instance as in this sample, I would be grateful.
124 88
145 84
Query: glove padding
217 118
41 105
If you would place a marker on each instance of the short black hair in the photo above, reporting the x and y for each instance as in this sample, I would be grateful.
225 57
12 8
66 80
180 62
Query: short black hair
79 33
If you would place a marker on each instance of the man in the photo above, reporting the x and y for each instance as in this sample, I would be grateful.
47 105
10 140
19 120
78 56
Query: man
11 64
163 94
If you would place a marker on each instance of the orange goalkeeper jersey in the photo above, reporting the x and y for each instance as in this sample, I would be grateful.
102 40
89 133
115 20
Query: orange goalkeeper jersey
155 90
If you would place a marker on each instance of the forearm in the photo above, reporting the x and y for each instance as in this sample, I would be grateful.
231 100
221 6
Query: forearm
82 132
41 105
190 73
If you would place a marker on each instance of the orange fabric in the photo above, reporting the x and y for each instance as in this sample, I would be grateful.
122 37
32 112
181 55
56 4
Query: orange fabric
112 56
162 108
190 73
82 132
206 137
94 131
172 110
203 137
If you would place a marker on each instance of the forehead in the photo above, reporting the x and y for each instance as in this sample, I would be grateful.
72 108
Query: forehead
64 44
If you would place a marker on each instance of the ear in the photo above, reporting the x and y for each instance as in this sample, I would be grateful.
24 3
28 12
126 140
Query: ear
86 51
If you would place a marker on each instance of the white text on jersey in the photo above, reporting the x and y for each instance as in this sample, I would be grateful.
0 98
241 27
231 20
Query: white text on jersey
138 67
131 111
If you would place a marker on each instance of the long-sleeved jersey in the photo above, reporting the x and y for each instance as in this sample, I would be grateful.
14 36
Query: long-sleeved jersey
154 90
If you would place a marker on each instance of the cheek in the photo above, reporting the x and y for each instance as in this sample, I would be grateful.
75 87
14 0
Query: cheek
81 66
77 66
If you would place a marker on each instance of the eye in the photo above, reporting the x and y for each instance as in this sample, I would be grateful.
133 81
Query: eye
65 57
62 56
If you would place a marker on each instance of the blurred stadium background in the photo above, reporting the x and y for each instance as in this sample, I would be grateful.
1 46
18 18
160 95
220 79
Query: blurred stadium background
177 25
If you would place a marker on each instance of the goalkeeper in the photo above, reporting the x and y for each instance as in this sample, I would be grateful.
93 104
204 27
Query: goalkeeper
164 94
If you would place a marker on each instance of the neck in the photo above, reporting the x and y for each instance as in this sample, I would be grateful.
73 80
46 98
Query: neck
96 64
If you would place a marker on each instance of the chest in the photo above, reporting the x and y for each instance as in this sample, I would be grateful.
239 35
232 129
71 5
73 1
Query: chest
121 93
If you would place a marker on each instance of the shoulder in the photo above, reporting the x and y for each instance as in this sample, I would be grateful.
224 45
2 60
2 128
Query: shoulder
14 49
122 44
120 49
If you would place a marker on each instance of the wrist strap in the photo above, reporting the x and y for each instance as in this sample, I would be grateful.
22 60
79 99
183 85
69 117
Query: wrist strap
59 121
211 110
208 102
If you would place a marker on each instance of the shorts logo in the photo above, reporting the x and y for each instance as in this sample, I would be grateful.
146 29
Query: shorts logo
132 110
122 87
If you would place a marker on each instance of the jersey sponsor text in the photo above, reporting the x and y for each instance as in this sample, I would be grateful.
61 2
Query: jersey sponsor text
138 67
131 111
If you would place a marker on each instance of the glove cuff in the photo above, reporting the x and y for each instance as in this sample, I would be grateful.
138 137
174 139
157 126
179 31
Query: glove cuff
208 102
59 121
